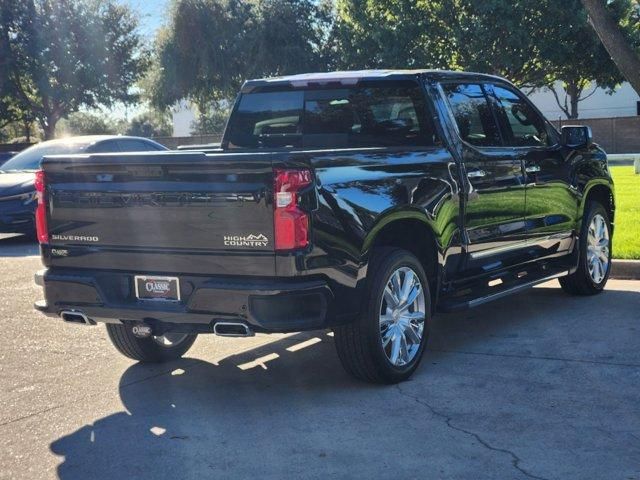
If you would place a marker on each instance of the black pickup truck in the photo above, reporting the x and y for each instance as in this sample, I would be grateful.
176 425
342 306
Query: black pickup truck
360 202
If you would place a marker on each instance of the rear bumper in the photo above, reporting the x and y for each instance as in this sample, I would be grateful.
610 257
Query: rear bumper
267 305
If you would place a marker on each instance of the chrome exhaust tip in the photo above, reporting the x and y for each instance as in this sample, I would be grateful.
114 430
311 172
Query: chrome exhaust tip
72 316
232 329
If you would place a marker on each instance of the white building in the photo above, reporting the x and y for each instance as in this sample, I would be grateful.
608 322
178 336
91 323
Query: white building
622 103
183 114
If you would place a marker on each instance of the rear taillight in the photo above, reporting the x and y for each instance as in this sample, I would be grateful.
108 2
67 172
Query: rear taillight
291 223
41 210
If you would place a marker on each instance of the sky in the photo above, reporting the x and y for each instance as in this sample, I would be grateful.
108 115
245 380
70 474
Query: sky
153 13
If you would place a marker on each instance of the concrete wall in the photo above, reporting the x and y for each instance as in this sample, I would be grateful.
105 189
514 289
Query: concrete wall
615 135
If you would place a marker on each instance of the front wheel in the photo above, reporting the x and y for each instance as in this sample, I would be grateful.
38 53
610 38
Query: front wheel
385 344
163 348
594 263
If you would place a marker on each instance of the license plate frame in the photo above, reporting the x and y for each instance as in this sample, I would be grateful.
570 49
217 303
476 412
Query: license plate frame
157 288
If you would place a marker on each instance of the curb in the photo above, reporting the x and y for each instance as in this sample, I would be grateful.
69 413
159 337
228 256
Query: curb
625 269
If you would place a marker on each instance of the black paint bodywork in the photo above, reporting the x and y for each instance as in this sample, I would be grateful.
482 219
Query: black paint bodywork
17 213
167 214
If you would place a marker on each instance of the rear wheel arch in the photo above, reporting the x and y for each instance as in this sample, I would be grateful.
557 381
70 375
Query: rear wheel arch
412 232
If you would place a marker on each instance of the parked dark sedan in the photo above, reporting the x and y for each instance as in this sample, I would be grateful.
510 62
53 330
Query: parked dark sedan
4 156
17 190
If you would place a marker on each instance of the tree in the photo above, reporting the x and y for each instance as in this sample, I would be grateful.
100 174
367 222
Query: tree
211 46
534 43
575 58
391 34
622 48
150 124
87 123
213 120
61 55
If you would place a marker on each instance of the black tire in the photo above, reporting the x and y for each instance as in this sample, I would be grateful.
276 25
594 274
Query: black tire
359 344
581 282
146 349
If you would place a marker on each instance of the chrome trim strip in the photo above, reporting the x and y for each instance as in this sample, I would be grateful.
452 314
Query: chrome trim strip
21 196
523 244
493 251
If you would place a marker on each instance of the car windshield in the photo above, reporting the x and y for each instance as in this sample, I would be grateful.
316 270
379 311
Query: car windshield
29 159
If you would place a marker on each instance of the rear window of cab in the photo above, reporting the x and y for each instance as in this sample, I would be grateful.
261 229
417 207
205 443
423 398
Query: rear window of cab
368 115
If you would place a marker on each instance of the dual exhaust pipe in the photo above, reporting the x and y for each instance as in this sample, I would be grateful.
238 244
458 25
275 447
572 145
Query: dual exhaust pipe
73 316
232 329
223 329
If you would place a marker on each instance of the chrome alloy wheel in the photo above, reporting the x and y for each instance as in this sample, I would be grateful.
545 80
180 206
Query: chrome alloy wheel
169 340
598 249
402 316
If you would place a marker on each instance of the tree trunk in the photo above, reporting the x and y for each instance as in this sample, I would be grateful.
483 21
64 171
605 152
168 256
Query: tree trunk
613 39
49 128
27 130
573 92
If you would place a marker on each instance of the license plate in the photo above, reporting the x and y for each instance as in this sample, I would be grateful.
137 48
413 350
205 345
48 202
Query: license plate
157 288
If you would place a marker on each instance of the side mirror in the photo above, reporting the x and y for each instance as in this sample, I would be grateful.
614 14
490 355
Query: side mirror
577 136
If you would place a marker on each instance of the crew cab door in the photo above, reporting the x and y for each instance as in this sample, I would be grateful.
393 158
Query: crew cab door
551 204
494 212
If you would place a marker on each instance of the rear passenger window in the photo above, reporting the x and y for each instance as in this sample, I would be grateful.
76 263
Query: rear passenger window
373 114
136 146
106 146
473 115
368 116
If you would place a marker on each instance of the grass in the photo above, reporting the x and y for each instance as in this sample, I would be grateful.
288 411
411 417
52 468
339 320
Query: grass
626 238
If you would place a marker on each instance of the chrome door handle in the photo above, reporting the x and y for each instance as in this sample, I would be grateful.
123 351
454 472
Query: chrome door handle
532 169
476 174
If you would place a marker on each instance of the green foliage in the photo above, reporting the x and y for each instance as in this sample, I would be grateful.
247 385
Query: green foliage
211 46
534 43
150 124
392 34
575 57
60 55
213 120
87 123
626 238
628 14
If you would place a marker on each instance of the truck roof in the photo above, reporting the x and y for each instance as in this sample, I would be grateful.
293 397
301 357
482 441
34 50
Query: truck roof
351 77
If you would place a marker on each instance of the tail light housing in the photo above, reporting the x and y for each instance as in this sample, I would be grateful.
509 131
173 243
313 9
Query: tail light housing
42 229
290 222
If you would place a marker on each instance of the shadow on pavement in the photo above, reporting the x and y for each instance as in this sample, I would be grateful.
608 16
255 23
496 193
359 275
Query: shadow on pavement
204 417
287 409
18 246
540 322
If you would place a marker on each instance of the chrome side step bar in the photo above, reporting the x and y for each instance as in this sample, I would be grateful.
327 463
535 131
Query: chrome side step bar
232 329
500 291
514 289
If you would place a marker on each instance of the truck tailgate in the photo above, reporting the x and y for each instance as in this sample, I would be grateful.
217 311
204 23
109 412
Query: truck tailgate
217 204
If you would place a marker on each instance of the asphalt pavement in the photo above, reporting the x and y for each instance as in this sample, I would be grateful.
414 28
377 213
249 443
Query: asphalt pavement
540 385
